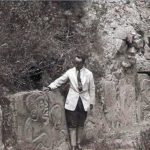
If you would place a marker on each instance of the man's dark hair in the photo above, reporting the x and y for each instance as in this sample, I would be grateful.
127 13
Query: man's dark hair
81 56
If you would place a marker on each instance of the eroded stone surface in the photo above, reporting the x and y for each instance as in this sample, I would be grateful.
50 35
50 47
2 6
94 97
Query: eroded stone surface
40 120
118 22
144 82
127 99
1 119
143 65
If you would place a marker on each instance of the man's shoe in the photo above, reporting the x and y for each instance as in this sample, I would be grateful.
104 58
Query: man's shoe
79 147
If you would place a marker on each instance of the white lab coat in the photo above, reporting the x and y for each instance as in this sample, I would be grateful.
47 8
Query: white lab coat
88 88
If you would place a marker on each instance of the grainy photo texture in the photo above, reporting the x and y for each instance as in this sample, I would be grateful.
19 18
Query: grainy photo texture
75 75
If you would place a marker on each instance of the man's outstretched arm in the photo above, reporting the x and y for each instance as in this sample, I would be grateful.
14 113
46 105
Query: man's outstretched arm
59 81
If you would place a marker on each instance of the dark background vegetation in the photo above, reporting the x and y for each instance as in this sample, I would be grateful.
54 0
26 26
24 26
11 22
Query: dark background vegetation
42 34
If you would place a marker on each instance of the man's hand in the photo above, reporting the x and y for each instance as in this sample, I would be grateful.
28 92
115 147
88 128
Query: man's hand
91 106
47 89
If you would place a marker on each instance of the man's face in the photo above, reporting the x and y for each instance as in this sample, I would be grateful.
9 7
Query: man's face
78 63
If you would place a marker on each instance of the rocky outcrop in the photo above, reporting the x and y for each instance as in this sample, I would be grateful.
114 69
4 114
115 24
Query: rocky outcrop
124 30
1 144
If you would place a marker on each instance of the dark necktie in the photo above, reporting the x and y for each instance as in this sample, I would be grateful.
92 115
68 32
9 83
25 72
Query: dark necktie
79 81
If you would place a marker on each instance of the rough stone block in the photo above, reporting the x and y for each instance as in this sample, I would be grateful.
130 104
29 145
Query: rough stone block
110 93
39 120
127 100
1 144
120 100
144 82
143 65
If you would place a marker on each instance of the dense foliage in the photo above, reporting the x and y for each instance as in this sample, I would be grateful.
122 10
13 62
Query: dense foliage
45 34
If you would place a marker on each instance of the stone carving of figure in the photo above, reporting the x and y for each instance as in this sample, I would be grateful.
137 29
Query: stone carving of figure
37 121
43 121
130 52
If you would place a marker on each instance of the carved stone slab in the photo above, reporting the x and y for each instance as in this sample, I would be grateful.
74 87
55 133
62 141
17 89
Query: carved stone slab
127 100
144 82
110 93
120 100
39 120
1 144
110 98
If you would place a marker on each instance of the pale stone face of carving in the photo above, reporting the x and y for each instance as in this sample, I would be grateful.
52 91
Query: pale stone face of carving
40 119
0 126
144 82
56 116
131 55
130 58
38 108
42 107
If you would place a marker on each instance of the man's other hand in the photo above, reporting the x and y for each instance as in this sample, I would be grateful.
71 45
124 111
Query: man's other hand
47 89
91 106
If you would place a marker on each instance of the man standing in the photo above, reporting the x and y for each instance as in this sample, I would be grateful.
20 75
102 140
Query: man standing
80 98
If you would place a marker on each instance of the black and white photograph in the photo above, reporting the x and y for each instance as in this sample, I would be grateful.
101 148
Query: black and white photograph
74 74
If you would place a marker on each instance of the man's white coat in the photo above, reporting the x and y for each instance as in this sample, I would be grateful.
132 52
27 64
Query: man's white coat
88 88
